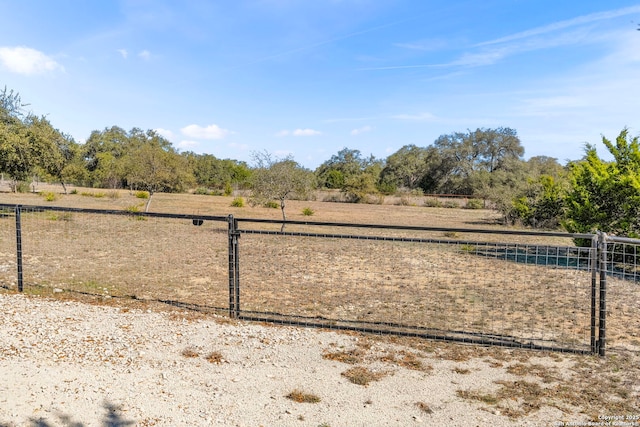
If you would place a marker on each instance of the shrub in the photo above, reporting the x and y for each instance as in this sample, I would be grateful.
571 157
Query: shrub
302 397
201 191
114 195
404 201
228 189
451 204
474 204
74 191
238 202
272 205
307 211
142 194
49 196
132 209
432 202
22 187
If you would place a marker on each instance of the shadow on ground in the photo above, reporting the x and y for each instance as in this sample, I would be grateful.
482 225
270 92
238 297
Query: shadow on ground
112 418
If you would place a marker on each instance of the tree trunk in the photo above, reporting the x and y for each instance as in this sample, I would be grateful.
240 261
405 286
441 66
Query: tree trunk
284 217
146 208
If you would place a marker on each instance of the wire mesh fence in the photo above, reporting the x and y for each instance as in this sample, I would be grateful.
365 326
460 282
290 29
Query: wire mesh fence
513 294
508 288
140 257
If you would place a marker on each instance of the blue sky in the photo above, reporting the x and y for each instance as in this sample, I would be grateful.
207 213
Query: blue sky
310 77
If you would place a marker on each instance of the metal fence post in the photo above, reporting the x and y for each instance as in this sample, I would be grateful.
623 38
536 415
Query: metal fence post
232 265
19 247
602 326
236 268
595 263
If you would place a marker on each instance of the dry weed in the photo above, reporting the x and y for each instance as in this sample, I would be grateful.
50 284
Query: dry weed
362 376
302 397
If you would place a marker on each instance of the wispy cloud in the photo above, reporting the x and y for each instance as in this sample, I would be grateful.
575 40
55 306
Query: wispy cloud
560 25
299 132
27 61
145 54
361 130
421 117
207 132
124 53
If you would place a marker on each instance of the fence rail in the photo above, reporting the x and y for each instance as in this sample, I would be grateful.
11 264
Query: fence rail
500 287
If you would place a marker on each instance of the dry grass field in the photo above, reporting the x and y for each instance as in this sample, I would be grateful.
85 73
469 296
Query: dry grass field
446 287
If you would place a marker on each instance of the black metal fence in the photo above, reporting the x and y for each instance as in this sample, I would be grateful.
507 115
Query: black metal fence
509 288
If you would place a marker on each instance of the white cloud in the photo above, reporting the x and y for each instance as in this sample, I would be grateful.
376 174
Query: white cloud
299 132
363 129
209 132
123 52
164 132
145 54
24 60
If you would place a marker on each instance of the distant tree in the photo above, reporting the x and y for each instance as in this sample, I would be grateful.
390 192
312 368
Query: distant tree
465 159
153 165
341 167
212 172
279 180
406 168
605 196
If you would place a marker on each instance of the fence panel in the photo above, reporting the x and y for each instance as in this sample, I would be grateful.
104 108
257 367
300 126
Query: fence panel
8 267
521 295
622 309
153 258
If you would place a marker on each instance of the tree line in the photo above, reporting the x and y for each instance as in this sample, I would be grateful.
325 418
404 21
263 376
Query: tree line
581 196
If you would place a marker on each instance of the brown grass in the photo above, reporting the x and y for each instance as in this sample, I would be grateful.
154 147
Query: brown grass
190 352
361 375
215 357
302 397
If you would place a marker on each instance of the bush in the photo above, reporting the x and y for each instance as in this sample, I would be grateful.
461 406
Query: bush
432 203
272 205
228 189
49 196
74 191
238 202
22 187
451 204
142 194
307 211
202 191
114 195
474 204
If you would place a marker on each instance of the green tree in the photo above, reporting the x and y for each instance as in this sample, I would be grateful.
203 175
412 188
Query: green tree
406 168
279 180
153 165
605 196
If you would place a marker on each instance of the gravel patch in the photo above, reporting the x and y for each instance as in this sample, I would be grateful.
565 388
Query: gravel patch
67 363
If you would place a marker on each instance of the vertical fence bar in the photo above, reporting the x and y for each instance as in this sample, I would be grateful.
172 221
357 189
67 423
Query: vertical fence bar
602 327
595 262
19 247
236 268
232 266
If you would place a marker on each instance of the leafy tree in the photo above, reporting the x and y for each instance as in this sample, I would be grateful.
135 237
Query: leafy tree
280 180
103 153
341 167
465 159
212 172
153 165
605 196
406 168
